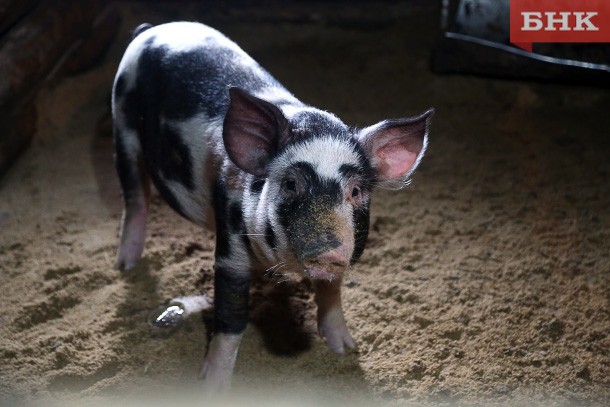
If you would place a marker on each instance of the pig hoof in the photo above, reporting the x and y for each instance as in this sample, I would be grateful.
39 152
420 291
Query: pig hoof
337 338
124 265
126 261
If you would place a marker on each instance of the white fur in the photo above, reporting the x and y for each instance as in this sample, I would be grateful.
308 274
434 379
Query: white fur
193 303
274 95
325 154
185 36
258 211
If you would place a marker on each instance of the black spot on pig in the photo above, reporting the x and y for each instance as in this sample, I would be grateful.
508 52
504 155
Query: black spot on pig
231 292
119 86
172 157
219 202
315 242
186 83
317 194
307 218
231 288
364 171
236 221
349 170
257 185
167 194
361 219
361 215
237 226
270 237
132 112
246 241
126 169
133 105
165 151
315 186
307 124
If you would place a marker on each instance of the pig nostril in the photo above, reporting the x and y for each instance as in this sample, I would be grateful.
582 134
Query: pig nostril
326 262
336 258
332 259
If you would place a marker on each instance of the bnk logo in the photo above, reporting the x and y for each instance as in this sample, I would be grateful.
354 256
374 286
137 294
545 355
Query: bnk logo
533 21
559 21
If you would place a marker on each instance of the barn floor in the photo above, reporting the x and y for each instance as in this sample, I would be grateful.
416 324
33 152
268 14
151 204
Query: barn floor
487 281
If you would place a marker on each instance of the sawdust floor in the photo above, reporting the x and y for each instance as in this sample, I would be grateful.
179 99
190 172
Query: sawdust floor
486 281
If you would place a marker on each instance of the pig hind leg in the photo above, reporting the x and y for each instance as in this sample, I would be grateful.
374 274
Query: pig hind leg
135 185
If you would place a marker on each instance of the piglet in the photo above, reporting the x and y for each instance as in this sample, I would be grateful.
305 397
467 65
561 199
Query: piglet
285 186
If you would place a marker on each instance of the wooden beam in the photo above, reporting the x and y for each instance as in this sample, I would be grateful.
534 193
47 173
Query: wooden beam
17 127
30 51
11 11
34 48
93 45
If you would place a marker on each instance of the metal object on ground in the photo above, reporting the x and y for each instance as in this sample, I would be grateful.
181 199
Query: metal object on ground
475 40
164 320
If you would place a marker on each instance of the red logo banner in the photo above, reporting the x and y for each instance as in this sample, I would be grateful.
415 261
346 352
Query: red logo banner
558 21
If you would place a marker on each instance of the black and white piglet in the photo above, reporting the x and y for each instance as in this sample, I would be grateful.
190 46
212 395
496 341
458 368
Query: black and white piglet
285 186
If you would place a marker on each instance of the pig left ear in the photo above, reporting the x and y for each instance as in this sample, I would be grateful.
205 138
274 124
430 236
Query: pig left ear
252 131
395 147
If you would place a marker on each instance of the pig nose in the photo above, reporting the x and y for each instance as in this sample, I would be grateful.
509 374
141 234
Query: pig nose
335 257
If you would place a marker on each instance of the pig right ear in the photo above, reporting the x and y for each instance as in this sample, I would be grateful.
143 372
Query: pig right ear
252 130
395 148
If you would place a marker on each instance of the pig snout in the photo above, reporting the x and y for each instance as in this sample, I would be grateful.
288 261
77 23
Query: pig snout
328 255
329 264
336 257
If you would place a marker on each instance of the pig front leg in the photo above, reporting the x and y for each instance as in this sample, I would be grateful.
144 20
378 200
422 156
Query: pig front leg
331 322
231 289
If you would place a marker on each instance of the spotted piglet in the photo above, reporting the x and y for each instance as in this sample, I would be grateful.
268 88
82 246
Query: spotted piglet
286 187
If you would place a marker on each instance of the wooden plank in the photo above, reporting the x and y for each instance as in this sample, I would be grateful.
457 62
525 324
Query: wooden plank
11 11
17 127
94 44
29 52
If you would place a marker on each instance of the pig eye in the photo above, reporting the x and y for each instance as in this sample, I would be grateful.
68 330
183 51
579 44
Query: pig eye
355 192
290 185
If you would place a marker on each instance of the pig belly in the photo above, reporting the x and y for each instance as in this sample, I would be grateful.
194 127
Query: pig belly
183 166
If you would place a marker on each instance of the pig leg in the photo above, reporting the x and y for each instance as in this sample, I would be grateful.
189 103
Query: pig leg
218 365
231 289
135 185
331 323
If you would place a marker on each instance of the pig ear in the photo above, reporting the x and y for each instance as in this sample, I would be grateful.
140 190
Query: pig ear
252 130
395 147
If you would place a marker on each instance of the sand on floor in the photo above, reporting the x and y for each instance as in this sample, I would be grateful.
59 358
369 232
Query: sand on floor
486 281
